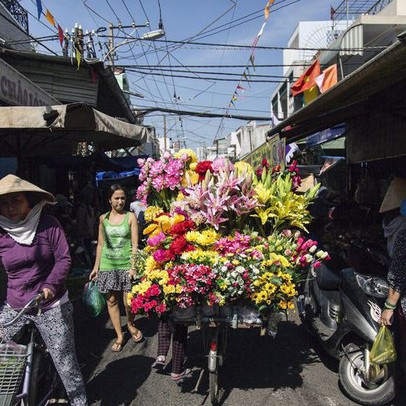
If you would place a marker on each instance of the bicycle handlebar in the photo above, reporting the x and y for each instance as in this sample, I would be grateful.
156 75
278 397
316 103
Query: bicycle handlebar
33 303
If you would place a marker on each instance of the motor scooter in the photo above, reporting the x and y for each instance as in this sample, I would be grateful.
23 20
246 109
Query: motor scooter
341 306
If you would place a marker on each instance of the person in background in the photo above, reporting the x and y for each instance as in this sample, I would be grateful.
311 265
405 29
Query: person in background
85 227
117 244
179 341
138 208
319 210
395 304
393 221
35 255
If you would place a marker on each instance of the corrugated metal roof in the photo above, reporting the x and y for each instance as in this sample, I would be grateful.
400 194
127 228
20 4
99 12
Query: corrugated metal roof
61 77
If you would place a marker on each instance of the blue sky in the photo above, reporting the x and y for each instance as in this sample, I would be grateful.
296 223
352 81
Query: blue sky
207 21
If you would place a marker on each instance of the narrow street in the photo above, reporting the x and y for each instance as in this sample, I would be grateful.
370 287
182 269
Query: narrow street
288 370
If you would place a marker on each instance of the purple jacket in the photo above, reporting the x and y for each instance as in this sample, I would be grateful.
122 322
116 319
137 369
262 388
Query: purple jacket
43 264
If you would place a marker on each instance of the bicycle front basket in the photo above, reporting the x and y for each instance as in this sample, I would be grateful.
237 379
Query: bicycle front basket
13 358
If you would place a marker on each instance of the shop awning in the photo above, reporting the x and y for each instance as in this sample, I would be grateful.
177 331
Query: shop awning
44 130
380 80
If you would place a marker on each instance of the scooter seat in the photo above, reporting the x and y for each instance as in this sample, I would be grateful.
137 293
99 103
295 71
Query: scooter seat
327 279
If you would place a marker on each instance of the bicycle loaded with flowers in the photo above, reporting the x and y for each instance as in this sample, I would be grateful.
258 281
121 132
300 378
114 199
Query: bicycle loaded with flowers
220 235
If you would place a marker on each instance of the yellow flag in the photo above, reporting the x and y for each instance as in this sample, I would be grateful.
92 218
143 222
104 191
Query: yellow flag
266 10
310 94
50 18
78 56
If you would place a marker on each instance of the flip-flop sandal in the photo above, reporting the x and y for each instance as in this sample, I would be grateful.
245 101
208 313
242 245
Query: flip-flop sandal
159 363
137 337
179 377
117 346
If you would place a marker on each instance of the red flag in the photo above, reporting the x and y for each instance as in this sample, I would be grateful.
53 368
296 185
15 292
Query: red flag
306 81
93 74
60 34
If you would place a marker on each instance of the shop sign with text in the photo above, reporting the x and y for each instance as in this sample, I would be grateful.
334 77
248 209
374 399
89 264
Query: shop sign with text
273 151
18 90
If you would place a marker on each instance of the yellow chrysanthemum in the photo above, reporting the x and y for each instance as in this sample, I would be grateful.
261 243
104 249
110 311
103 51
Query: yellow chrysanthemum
283 305
288 290
150 264
287 278
193 166
189 152
270 288
168 289
151 212
204 238
141 287
199 256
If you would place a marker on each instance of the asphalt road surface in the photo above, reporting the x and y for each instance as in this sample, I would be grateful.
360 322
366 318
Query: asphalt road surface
258 370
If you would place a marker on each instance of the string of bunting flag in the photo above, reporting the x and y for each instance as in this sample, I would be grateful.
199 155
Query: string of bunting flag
244 82
77 42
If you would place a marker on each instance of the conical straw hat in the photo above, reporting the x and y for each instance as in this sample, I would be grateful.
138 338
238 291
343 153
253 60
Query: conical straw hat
14 184
394 195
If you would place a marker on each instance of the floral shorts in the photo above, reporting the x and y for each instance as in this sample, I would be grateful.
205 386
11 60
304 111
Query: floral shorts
118 280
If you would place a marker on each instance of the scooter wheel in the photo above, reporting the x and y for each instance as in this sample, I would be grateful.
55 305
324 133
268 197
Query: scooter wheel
373 389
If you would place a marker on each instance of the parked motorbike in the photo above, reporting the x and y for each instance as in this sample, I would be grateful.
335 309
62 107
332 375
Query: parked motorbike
341 306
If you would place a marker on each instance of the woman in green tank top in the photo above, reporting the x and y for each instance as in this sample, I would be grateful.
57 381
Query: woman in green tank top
117 242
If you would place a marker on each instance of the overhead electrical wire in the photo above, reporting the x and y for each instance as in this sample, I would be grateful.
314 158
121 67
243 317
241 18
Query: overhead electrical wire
134 57
205 78
158 68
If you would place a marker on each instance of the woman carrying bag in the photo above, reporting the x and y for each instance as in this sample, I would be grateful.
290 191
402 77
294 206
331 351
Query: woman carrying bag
117 244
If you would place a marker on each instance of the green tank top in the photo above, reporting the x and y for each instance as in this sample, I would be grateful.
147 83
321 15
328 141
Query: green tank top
116 250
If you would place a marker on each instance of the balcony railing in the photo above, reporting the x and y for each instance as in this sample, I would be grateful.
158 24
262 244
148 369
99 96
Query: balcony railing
18 12
350 10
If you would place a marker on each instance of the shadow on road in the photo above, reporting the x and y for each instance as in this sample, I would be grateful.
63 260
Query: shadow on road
109 388
254 361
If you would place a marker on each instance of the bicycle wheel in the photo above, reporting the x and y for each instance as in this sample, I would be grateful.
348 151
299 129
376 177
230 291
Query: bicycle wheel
44 381
37 362
214 388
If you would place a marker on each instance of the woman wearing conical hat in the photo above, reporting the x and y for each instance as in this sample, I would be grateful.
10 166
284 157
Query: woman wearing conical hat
35 255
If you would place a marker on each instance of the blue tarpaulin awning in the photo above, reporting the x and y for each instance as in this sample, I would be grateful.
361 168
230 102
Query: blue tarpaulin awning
116 176
325 135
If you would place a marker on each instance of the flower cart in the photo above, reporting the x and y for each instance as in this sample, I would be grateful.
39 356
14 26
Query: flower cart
225 246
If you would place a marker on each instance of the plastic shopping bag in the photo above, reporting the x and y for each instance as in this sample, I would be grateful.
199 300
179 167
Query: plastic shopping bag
383 349
94 301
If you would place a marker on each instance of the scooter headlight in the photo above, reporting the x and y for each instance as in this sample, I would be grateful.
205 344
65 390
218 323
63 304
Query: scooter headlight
372 285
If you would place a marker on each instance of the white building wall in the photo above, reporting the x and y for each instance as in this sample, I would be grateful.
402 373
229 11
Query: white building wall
396 7
247 138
